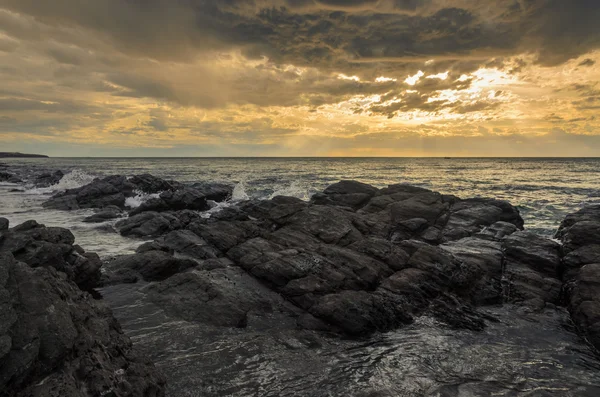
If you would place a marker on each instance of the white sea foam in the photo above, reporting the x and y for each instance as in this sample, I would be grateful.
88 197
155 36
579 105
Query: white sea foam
239 192
295 189
214 208
71 180
139 198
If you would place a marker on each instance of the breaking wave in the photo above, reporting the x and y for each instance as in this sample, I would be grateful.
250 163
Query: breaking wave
139 199
295 189
239 192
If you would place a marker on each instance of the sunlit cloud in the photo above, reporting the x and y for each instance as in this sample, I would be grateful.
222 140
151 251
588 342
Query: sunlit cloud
412 80
303 78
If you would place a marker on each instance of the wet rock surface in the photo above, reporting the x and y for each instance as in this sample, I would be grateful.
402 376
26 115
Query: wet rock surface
41 246
56 340
580 235
356 259
112 191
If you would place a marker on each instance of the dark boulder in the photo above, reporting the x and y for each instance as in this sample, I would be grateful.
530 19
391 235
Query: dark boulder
483 260
225 235
351 194
580 234
184 198
150 265
48 179
585 302
183 242
106 214
214 191
150 184
3 224
222 297
148 224
40 246
55 340
8 177
108 191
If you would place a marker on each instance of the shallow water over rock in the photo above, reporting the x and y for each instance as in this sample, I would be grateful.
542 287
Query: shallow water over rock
526 353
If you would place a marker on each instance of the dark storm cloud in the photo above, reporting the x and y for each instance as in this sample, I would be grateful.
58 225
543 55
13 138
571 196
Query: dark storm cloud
330 33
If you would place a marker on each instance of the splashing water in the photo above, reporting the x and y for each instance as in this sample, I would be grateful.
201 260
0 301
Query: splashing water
70 180
239 192
73 179
295 189
139 198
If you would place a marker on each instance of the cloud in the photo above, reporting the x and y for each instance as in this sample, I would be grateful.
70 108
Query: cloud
326 32
285 72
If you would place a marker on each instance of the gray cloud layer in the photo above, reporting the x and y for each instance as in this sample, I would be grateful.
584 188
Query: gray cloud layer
330 33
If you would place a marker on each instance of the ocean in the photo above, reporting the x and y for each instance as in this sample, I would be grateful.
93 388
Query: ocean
544 189
525 354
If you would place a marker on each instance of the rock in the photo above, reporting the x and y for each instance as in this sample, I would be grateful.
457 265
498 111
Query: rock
468 217
184 242
576 259
229 214
55 340
185 198
104 215
225 235
385 251
277 210
150 184
108 191
587 213
329 224
580 234
428 206
214 191
532 268
154 204
484 261
65 203
350 194
148 224
222 297
40 246
361 313
497 231
4 224
150 265
585 302
351 187
48 179
8 177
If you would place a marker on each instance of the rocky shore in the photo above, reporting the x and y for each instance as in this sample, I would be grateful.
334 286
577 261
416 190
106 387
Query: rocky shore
353 261
55 339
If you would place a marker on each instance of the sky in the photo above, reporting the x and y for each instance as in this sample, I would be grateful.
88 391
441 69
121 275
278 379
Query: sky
300 77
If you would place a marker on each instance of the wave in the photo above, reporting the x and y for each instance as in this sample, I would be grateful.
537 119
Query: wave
293 190
139 198
214 208
71 180
239 192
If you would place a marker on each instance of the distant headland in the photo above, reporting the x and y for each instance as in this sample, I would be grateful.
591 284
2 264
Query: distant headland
16 154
